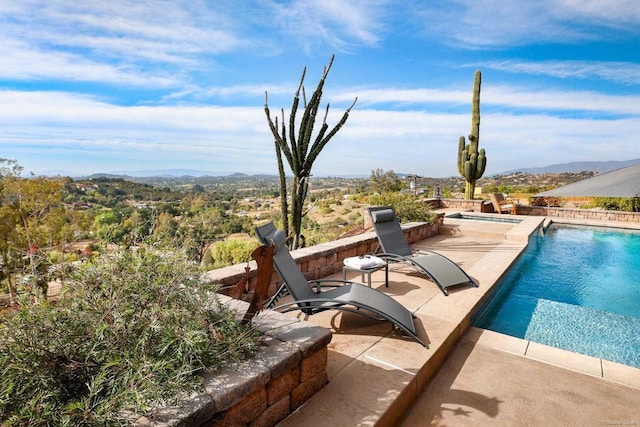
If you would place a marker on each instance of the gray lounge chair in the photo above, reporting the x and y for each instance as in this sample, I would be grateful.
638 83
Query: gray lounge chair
395 248
343 295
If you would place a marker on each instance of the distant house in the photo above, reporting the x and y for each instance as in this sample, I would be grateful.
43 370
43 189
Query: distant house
81 206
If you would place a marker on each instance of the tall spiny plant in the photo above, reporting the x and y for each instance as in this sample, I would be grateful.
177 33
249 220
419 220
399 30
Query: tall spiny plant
299 152
471 162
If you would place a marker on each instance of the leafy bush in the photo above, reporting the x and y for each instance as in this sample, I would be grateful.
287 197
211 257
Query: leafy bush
627 204
233 251
355 217
326 210
129 332
406 206
316 236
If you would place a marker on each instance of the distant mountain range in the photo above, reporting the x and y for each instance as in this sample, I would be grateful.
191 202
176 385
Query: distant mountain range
172 173
575 167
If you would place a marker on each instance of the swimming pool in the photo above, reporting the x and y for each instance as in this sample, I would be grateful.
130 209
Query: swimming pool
489 218
576 288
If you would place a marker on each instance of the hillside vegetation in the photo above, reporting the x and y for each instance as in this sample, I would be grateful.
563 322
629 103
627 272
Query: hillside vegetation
60 221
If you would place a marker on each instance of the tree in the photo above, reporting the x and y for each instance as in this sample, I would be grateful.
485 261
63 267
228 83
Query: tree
198 232
385 182
165 227
406 206
108 227
9 170
138 225
298 151
32 218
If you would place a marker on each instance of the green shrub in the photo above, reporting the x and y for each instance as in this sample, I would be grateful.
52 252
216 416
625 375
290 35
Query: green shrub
627 204
326 210
129 332
406 206
207 259
317 236
233 251
355 217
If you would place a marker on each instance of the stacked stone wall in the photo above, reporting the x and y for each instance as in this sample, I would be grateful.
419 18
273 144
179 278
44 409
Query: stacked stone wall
289 368
317 262
553 212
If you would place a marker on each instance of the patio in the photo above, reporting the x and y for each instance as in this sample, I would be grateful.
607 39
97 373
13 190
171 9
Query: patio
467 376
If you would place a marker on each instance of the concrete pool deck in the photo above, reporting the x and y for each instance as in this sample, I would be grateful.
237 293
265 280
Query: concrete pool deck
466 376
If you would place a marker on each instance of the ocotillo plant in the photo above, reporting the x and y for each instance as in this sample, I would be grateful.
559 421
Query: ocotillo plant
299 152
471 162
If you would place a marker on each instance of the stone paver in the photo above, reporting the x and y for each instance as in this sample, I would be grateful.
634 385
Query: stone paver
482 385
377 376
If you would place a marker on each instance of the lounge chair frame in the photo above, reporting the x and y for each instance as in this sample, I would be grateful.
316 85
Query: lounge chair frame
394 248
311 298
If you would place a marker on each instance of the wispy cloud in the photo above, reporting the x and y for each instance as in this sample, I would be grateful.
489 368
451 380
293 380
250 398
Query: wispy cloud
518 99
617 72
117 29
163 44
494 23
554 101
337 24
158 135
618 14
111 41
221 138
22 62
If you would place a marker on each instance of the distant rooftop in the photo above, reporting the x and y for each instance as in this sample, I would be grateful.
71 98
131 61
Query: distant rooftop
624 182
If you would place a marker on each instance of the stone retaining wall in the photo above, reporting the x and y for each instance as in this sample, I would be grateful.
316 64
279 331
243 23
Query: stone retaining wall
580 214
289 368
321 260
566 213
464 205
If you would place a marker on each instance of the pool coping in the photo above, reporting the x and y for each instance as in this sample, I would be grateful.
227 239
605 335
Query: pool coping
577 362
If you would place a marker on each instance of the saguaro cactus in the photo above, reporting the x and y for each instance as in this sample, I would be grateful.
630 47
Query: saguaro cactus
471 162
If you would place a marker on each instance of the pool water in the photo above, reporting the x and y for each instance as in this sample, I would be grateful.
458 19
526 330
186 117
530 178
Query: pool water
491 218
575 288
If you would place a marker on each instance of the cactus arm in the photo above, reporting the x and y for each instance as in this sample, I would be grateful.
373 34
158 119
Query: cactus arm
461 155
482 164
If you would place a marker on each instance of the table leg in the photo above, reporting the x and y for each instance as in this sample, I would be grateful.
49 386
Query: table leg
386 275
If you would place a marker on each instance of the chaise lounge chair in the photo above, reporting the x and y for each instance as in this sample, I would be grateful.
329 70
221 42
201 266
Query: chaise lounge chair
395 248
343 295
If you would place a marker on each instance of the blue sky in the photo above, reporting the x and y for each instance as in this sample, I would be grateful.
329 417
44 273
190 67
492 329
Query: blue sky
107 86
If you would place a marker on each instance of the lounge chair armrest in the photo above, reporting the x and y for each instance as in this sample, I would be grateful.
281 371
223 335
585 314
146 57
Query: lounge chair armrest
324 283
393 257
